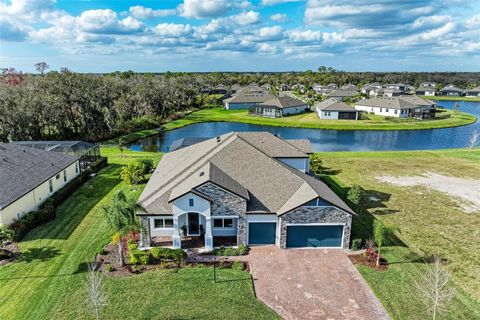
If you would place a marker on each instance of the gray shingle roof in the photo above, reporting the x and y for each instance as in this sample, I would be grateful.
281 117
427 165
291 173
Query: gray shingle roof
402 102
246 96
283 102
241 163
333 104
342 93
22 169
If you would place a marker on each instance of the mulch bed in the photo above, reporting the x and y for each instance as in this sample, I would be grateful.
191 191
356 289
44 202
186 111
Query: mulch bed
108 264
364 260
8 253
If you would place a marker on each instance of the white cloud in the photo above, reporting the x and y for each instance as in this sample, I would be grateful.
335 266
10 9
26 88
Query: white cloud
430 21
279 17
473 22
10 31
305 36
171 30
267 48
246 18
275 2
26 9
426 36
204 8
270 32
141 12
106 21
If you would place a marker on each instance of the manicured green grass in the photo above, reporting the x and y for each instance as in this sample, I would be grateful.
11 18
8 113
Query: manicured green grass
311 120
48 282
451 98
429 223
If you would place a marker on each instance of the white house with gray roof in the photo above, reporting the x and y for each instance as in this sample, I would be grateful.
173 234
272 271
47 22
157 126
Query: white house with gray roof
279 106
398 107
28 176
333 109
253 188
246 99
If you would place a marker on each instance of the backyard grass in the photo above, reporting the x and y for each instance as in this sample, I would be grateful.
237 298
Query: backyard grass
48 281
311 120
429 222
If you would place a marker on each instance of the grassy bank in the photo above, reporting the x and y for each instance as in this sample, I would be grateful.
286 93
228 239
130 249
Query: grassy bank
310 120
48 281
429 222
451 98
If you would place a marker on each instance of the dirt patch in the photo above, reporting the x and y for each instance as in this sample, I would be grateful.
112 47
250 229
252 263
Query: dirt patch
364 260
466 192
9 253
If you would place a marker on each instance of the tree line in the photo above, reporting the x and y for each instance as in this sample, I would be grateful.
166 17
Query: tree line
68 105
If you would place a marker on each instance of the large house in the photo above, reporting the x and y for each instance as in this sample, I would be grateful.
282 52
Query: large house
473 93
253 188
28 176
333 109
450 90
279 106
341 94
426 89
398 107
246 99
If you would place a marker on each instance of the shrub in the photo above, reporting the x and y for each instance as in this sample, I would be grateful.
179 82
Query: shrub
132 245
109 268
145 257
135 171
155 252
243 250
240 251
6 234
356 244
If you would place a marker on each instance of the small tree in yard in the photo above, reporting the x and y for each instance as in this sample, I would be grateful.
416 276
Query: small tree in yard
121 217
135 172
380 234
316 165
474 139
97 300
122 144
435 288
355 195
6 234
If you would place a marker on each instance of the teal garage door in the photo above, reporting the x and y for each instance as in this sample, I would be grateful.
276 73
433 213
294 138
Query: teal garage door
314 236
261 232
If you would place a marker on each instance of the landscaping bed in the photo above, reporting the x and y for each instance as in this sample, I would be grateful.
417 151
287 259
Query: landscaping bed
9 253
363 259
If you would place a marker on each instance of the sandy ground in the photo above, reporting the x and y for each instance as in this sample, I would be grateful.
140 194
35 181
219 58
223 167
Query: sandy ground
466 192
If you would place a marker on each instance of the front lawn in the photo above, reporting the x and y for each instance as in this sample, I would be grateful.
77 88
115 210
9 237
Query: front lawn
429 222
311 120
48 282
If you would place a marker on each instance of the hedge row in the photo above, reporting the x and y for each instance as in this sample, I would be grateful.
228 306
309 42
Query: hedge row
47 210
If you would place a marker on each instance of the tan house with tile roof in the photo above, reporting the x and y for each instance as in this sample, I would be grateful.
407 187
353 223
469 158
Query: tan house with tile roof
249 188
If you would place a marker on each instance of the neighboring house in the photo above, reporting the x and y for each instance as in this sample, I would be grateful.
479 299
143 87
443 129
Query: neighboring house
279 106
450 90
340 94
399 86
246 99
332 86
220 89
28 176
333 109
425 91
252 188
473 93
235 88
299 87
349 87
87 152
266 87
284 87
398 107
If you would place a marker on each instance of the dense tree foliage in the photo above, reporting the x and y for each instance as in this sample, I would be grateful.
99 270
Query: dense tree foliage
67 105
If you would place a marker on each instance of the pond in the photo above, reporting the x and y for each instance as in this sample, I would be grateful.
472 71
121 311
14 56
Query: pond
332 140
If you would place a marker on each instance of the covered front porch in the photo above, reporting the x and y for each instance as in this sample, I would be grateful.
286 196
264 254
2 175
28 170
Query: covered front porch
190 230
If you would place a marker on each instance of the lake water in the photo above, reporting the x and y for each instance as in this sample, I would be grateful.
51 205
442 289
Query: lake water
332 140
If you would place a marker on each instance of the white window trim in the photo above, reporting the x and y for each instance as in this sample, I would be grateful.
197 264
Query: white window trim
163 223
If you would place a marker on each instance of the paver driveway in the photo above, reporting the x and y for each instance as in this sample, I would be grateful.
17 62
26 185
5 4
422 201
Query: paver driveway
312 284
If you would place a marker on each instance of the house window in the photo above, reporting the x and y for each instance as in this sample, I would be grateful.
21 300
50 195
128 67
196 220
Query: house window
386 110
50 185
76 167
395 111
57 176
223 223
64 175
190 202
381 109
317 203
162 223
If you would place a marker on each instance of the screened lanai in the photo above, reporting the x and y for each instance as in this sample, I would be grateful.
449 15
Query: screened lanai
88 152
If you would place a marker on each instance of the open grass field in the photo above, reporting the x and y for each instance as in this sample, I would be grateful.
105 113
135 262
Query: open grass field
48 281
429 222
451 98
311 120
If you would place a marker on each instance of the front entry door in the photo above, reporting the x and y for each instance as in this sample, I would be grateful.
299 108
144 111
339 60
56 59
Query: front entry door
193 223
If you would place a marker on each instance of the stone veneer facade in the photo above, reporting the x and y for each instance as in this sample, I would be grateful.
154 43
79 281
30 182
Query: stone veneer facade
226 203
316 215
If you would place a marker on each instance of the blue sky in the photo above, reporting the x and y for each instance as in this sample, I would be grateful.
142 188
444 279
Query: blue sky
240 35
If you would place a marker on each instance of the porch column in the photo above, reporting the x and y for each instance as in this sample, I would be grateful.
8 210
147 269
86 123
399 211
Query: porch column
177 242
208 234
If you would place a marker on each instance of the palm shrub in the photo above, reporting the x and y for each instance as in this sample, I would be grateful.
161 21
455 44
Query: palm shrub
122 219
381 233
135 171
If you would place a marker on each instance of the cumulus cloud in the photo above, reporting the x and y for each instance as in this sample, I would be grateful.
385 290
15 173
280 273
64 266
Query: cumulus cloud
172 30
246 18
141 12
430 21
473 22
107 22
204 8
279 17
12 32
275 2
306 36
